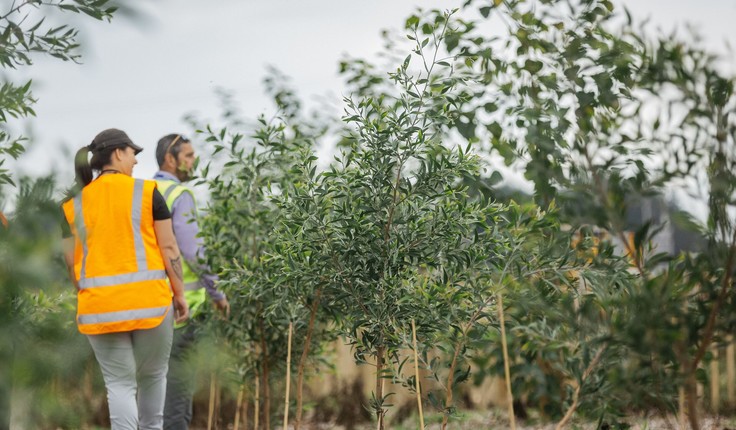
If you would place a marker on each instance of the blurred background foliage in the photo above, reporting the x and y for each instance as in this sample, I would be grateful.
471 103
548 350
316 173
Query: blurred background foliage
614 296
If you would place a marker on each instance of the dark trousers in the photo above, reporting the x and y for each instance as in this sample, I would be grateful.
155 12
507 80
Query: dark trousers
181 379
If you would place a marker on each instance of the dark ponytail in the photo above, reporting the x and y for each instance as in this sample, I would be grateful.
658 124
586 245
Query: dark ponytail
102 148
82 168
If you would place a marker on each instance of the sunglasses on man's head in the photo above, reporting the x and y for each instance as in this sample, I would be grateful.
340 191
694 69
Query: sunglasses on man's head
173 142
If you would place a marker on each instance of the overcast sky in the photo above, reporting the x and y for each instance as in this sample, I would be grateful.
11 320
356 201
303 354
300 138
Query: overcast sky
143 76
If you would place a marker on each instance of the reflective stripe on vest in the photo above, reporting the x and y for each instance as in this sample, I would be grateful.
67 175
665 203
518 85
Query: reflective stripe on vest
136 220
106 281
123 315
171 191
118 263
194 292
81 230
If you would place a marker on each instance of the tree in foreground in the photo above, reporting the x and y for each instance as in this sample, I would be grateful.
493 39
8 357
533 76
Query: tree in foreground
599 116
31 307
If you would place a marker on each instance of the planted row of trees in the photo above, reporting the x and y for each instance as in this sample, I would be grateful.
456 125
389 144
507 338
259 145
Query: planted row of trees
410 222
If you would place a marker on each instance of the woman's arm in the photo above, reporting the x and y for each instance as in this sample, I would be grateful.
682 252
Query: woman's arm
173 263
68 245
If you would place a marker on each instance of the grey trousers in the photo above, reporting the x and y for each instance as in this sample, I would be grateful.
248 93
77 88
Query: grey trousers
181 380
135 363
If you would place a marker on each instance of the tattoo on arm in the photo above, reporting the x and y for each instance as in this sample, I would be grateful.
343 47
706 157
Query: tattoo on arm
176 266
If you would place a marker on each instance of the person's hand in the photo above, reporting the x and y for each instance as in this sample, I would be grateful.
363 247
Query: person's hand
181 309
223 306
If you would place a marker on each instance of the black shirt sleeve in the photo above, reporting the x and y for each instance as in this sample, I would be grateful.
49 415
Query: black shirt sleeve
160 210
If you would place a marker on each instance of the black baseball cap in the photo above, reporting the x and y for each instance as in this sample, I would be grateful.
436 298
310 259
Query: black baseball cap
112 138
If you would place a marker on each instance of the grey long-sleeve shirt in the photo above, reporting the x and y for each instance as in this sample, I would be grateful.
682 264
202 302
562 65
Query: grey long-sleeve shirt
186 229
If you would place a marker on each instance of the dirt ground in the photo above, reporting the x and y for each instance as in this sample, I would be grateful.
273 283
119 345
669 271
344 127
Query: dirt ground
497 420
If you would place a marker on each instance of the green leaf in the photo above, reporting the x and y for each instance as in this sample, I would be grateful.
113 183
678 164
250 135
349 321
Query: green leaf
533 66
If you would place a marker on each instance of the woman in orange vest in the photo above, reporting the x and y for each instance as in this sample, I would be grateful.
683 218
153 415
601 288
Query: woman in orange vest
119 247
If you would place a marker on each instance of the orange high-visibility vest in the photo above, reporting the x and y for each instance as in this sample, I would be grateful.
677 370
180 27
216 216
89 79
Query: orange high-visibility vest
117 260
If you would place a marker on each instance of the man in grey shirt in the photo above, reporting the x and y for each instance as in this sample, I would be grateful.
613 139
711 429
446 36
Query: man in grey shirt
175 157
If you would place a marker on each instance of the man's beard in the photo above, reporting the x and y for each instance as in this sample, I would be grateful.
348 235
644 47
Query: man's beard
183 174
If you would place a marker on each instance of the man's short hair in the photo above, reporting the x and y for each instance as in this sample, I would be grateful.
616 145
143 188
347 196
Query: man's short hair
171 143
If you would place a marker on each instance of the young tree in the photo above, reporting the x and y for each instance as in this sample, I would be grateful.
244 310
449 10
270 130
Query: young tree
388 228
28 254
597 113
242 231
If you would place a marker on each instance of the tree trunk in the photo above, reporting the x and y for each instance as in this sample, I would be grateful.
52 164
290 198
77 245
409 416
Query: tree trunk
450 379
265 384
380 353
288 378
715 382
691 397
731 372
303 359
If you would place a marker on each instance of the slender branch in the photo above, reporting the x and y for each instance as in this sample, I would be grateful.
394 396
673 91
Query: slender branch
576 394
710 325
387 228
14 9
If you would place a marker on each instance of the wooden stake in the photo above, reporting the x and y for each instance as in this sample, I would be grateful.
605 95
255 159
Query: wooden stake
238 403
506 368
416 375
245 410
266 391
682 397
213 389
266 381
218 407
257 403
288 377
731 372
715 381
